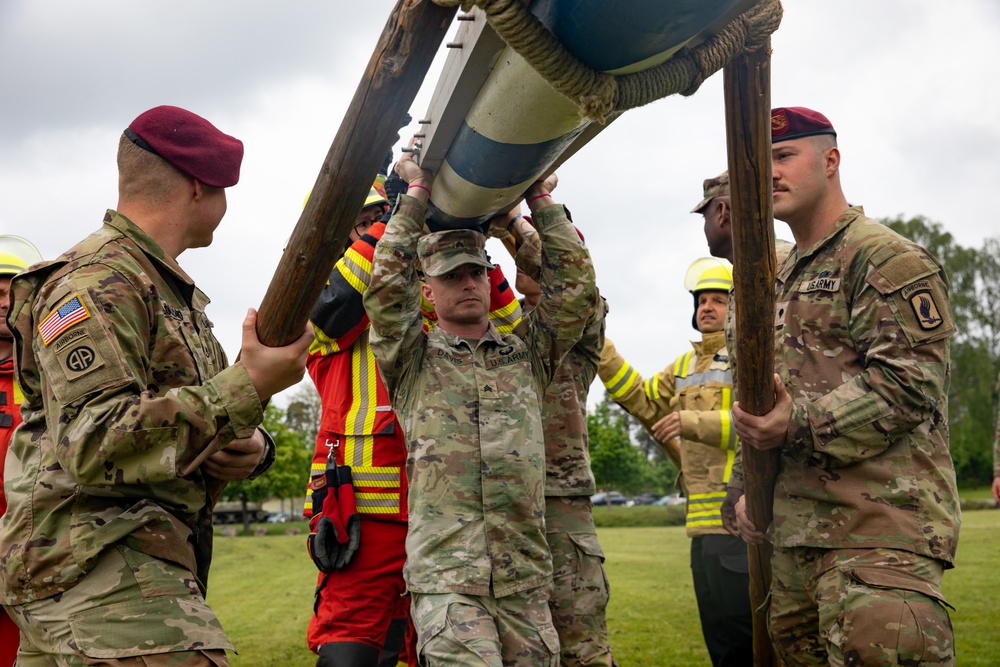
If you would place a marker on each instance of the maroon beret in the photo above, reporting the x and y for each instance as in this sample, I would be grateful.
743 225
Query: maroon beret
190 143
795 122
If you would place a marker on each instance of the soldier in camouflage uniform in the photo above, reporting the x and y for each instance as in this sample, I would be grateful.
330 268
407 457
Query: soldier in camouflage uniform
133 422
478 565
866 513
580 587
690 400
996 454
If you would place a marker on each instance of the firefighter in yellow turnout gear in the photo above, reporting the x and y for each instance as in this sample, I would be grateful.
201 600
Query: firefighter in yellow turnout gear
690 400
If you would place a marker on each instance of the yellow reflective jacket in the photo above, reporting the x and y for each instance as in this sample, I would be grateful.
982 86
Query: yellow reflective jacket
699 386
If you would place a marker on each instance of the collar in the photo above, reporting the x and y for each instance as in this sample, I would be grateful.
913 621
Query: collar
148 246
710 343
846 218
454 340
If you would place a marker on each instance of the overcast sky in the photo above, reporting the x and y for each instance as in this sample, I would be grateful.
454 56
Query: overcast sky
910 86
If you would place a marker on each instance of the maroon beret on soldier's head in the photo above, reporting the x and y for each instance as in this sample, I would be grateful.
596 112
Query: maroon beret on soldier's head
795 122
190 143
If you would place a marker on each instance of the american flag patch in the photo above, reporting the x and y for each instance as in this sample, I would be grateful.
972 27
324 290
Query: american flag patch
69 313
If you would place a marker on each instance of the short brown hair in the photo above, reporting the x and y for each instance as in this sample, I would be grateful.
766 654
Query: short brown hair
144 175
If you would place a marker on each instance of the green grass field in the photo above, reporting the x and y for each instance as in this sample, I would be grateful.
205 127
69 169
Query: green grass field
262 590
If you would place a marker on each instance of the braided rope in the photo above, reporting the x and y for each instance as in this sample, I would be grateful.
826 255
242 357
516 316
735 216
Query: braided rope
598 94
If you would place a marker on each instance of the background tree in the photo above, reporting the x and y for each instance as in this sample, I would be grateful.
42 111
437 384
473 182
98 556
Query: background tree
304 411
613 458
289 475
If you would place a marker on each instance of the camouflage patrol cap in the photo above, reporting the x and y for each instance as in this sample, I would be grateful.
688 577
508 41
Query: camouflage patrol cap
190 143
713 187
445 251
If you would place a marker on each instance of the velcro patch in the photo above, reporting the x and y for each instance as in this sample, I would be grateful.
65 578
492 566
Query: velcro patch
69 312
78 356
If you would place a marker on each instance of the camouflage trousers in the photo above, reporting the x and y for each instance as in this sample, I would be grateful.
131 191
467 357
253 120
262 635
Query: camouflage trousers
455 630
579 586
130 610
866 607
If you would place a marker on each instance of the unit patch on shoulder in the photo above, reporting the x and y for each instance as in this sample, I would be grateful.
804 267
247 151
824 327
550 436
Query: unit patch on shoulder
928 316
78 355
69 312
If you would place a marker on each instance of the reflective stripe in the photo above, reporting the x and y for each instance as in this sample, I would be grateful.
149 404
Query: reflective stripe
705 377
705 509
361 417
622 381
356 270
730 458
504 318
384 476
682 365
653 388
377 503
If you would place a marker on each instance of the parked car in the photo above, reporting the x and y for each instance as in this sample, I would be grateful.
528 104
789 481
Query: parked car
646 498
672 499
609 498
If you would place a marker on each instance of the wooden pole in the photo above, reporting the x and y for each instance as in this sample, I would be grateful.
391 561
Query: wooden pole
747 81
397 67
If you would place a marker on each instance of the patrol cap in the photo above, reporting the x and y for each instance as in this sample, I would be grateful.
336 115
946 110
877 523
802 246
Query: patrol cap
190 143
16 254
713 187
447 250
795 122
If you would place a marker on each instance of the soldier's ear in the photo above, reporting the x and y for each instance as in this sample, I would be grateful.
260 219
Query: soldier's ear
428 293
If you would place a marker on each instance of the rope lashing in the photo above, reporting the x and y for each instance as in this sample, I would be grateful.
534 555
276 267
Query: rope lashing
598 94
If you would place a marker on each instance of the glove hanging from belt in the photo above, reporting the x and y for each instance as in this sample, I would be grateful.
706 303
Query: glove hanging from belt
335 527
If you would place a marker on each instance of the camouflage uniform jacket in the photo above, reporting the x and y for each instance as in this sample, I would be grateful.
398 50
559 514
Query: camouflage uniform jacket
564 405
861 333
472 414
698 385
124 384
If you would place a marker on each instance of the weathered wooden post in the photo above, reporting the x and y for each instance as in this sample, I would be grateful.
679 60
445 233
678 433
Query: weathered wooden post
397 67
747 81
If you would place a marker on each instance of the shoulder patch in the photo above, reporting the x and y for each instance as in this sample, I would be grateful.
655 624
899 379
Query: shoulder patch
69 312
926 310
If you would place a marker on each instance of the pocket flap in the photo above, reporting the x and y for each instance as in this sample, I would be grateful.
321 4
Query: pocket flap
588 544
884 577
146 626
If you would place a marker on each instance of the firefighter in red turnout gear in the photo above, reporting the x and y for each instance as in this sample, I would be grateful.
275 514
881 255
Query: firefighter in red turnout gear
16 254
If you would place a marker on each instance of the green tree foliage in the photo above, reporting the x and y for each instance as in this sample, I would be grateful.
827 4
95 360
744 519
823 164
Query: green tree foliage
974 278
288 477
304 411
622 454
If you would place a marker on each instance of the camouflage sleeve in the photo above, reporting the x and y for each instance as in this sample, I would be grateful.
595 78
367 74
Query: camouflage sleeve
591 344
114 425
393 298
905 372
338 317
529 255
736 476
567 281
647 401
